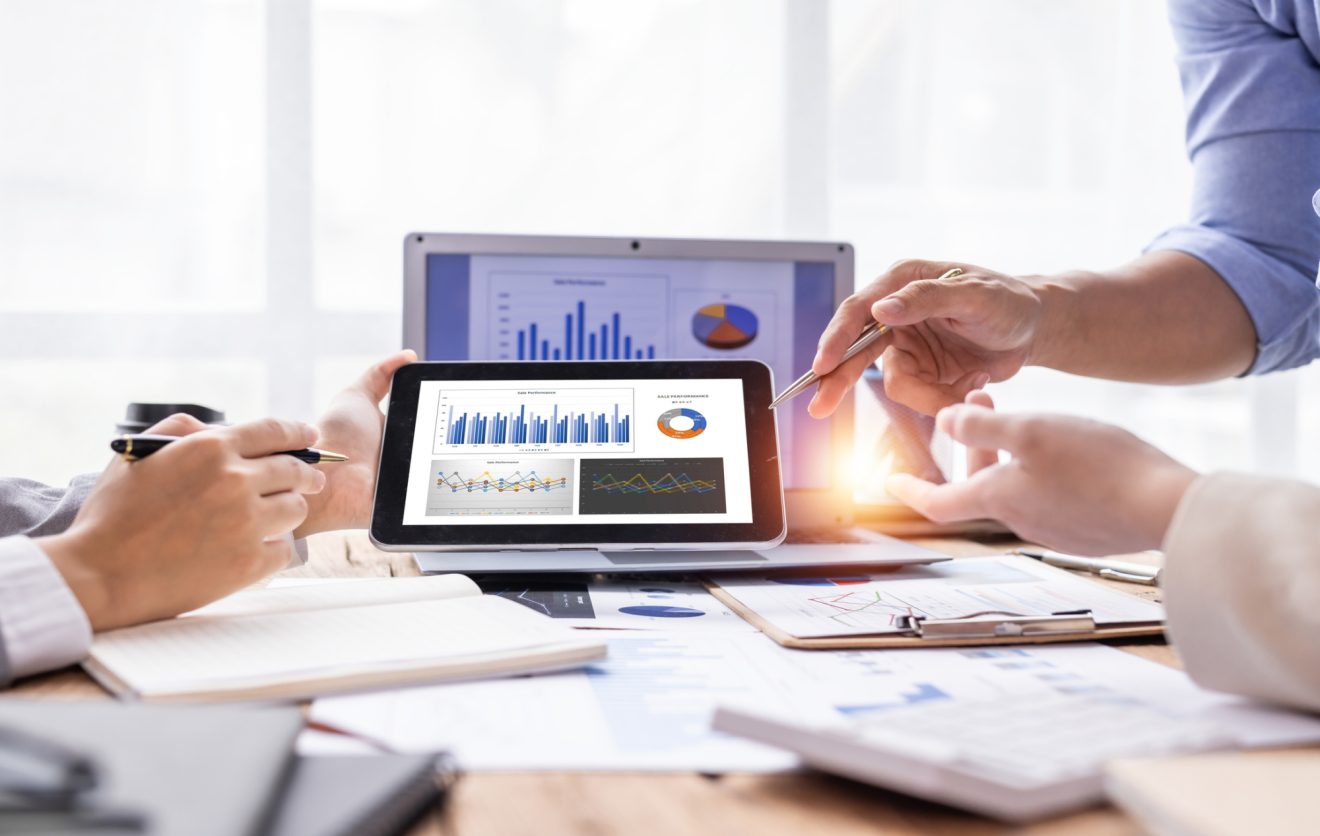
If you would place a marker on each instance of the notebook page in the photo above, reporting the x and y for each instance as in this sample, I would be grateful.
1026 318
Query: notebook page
195 654
355 593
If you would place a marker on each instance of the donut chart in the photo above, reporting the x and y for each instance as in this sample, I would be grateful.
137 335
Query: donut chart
724 326
681 423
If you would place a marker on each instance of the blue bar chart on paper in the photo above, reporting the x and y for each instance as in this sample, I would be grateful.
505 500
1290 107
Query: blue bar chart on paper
553 317
519 420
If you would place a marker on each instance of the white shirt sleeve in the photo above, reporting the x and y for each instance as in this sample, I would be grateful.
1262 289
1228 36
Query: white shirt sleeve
1242 587
42 625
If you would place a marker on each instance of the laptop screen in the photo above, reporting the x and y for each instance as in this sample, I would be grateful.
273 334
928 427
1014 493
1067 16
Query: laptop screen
533 307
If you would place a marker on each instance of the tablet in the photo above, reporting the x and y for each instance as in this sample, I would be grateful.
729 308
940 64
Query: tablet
611 455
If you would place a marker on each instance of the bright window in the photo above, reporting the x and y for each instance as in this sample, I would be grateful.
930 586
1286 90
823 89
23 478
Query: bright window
205 199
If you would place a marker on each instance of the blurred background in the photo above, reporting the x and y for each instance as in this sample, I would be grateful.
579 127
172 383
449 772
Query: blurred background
204 200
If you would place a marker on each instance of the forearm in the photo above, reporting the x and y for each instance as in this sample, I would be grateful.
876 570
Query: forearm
33 509
1164 318
1242 587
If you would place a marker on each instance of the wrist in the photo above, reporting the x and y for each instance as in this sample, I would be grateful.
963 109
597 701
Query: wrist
68 554
1057 328
1169 486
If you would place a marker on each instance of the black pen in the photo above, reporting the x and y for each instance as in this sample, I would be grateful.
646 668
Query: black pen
134 447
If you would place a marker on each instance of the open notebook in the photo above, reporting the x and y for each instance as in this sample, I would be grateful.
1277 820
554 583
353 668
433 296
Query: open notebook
301 642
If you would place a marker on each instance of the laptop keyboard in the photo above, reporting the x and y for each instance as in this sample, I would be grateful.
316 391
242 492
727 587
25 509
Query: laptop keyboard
826 536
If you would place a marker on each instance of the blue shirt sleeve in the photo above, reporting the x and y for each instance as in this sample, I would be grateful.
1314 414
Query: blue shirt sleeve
1251 80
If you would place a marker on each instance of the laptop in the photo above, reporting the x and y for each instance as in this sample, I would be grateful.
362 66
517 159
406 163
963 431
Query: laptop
509 298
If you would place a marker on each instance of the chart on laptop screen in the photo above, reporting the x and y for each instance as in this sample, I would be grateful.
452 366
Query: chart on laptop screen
572 308
490 452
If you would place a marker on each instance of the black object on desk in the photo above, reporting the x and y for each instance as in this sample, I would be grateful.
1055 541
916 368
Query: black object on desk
141 416
159 770
382 795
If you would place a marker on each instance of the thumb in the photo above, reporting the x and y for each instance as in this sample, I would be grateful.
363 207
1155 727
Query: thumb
180 423
376 380
926 299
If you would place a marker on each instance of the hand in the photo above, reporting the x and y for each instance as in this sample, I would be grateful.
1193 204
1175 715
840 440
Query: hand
187 525
1072 484
353 426
948 337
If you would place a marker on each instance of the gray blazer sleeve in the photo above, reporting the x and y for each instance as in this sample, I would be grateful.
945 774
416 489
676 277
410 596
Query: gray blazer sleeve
36 510
41 624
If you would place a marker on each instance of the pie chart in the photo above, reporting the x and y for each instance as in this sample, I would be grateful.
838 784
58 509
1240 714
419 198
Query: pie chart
658 611
681 423
724 326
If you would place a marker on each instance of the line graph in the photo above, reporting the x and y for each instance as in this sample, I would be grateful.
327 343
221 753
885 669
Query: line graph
494 487
859 606
485 482
638 483
652 486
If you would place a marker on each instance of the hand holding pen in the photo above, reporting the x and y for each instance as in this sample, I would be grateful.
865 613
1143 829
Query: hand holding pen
141 445
950 334
873 331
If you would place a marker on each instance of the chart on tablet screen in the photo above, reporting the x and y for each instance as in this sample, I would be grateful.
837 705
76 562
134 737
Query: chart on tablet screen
524 419
500 487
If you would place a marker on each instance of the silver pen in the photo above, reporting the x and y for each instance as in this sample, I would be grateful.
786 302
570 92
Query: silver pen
869 335
1116 570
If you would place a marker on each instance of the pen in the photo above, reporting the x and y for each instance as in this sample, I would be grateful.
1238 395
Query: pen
869 335
134 447
1116 570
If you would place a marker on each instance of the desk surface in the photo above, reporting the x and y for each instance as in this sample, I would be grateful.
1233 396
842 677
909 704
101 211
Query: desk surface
576 803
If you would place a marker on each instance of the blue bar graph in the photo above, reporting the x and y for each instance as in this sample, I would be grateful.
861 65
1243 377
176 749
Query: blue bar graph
582 342
549 424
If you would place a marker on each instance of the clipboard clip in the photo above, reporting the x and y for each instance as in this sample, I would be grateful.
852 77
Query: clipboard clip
992 624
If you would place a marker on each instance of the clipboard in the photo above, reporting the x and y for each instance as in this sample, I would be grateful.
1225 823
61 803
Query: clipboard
976 628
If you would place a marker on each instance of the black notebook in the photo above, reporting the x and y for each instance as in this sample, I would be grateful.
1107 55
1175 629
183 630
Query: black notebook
363 796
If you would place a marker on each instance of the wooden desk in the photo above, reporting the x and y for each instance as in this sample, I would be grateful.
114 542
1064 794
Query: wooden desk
578 803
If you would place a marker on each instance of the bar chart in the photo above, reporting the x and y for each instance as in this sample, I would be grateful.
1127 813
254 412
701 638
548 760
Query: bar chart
552 316
512 420
583 342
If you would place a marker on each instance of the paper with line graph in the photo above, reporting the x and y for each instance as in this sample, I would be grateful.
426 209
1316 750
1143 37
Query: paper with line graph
865 604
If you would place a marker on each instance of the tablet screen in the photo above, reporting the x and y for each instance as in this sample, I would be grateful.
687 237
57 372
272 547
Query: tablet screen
618 454
620 451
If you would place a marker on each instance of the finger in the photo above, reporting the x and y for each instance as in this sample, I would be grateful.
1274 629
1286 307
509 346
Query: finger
940 503
980 397
180 423
375 381
968 383
836 385
280 513
977 426
276 554
928 299
844 329
904 384
854 314
276 474
979 458
271 435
